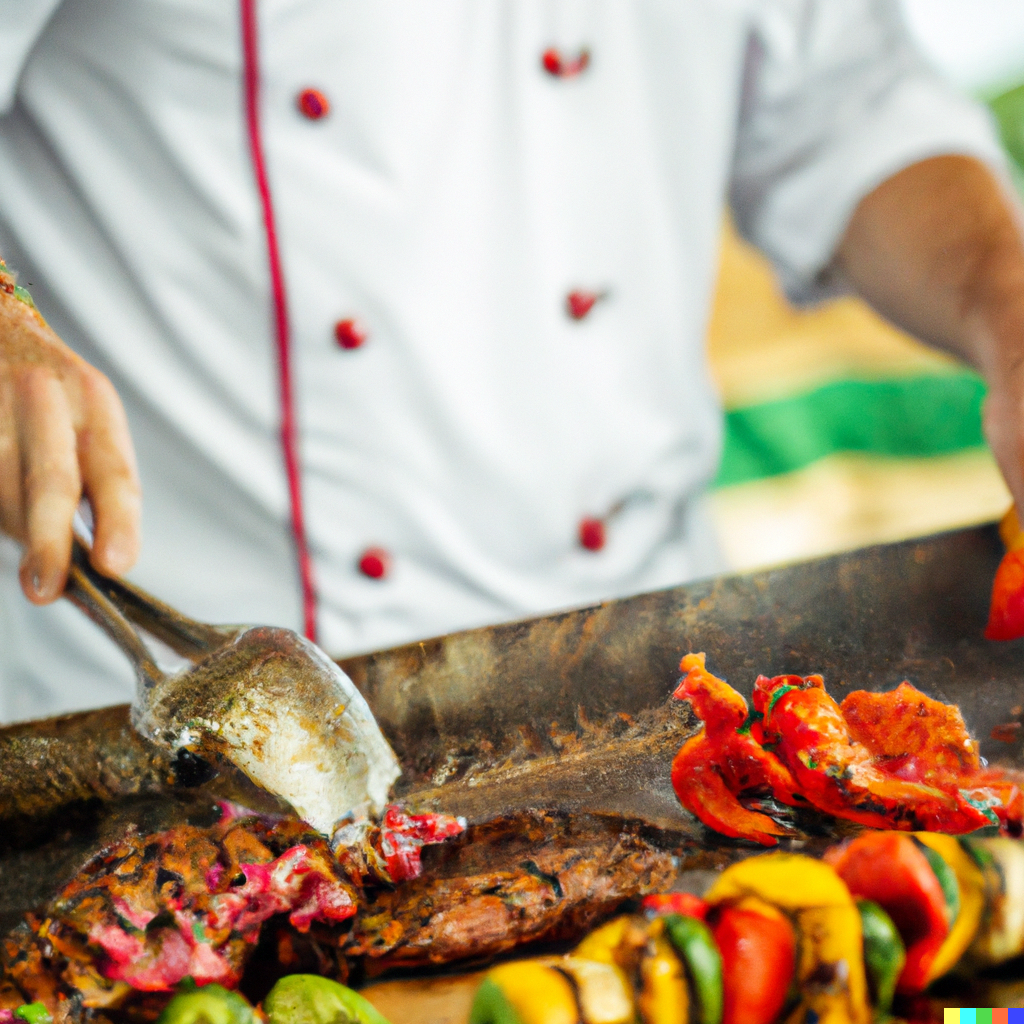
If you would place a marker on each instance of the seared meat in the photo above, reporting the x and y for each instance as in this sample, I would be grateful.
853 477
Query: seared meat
154 908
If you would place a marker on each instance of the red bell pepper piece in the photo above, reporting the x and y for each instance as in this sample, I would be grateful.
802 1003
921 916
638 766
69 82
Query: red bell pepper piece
1006 610
660 903
758 961
890 868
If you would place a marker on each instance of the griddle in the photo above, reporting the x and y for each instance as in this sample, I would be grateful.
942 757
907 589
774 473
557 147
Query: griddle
568 712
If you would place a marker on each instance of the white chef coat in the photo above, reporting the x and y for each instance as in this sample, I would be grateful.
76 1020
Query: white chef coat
454 194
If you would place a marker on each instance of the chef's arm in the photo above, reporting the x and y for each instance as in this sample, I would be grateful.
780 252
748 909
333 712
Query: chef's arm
938 249
63 433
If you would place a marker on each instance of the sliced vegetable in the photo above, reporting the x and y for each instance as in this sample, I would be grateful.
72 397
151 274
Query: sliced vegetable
694 942
310 999
620 942
211 1004
34 1013
1001 936
523 992
893 871
602 991
1006 608
829 963
884 954
971 887
946 878
664 996
758 950
674 903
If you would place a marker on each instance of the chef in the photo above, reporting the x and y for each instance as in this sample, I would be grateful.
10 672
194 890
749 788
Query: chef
402 304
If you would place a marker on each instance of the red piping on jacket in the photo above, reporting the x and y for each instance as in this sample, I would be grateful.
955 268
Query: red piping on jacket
289 435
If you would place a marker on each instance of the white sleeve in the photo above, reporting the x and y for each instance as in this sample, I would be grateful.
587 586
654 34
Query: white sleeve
835 100
23 22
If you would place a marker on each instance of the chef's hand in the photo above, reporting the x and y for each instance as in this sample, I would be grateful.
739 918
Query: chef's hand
939 250
63 433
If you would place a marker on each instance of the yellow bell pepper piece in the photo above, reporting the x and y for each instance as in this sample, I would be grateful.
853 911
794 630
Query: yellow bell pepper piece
620 942
536 992
830 950
972 901
664 993
1009 530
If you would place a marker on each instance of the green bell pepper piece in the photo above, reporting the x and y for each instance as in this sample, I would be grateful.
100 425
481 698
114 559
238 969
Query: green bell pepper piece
884 954
310 999
491 1006
211 1004
34 1013
693 941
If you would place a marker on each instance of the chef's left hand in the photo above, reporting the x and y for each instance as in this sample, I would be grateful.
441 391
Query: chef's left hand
939 250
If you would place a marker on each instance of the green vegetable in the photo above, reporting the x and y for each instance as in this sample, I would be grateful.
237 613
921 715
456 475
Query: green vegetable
884 954
210 1004
34 1013
694 942
310 999
947 880
491 1006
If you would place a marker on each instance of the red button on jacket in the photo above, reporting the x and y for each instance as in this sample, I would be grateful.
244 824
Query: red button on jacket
313 104
592 533
349 334
560 66
375 563
579 303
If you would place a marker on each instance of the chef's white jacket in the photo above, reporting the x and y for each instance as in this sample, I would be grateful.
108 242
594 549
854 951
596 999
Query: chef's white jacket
477 162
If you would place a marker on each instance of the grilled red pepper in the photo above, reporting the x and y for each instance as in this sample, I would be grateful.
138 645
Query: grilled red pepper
758 949
891 869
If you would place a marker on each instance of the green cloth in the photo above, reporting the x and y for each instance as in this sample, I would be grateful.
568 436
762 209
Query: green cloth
910 417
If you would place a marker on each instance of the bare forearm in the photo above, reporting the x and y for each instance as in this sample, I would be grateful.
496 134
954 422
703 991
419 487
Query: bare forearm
939 250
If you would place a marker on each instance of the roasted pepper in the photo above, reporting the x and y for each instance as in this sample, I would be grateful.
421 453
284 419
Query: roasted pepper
829 963
674 903
884 954
310 999
1006 608
210 1004
971 889
758 949
694 942
34 1013
620 942
664 995
524 992
892 869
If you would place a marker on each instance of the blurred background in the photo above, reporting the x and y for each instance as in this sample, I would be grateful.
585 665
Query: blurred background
841 431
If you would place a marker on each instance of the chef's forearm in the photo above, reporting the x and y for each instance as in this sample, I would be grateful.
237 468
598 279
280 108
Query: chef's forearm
939 250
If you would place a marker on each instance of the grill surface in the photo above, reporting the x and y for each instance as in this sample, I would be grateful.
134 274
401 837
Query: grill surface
567 712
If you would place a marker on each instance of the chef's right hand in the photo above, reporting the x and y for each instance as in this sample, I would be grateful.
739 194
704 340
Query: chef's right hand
63 434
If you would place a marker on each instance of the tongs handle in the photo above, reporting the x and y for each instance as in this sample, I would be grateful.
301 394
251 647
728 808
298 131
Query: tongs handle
129 603
85 589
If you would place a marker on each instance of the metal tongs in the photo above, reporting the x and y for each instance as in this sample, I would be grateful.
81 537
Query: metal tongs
264 699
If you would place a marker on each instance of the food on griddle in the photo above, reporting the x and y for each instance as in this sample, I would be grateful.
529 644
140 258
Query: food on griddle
896 760
784 937
211 1004
726 758
765 945
310 999
532 876
1006 608
192 902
